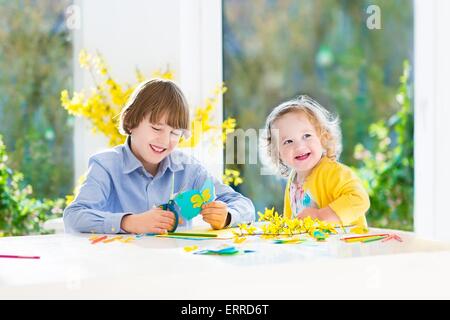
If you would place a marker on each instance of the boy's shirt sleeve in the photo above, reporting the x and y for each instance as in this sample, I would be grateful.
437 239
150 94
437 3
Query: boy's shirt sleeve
352 200
85 213
240 208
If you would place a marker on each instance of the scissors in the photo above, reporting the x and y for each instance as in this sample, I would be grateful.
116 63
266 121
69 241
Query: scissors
170 205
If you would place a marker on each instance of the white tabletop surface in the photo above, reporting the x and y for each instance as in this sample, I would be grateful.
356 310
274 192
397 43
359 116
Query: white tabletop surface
71 267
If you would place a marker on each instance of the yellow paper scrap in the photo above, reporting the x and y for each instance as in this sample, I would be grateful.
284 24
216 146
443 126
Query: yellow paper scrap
359 230
239 239
190 248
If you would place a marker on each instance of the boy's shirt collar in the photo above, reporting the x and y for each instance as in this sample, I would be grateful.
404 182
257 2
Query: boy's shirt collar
131 163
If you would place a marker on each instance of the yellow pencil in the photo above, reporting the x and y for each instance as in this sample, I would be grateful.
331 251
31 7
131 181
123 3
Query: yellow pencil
112 239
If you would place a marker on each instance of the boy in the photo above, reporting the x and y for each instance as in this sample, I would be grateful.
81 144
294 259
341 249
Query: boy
126 184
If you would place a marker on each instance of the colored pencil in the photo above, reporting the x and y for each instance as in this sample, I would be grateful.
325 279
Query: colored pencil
99 239
186 234
373 239
366 239
359 240
18 257
182 237
112 239
365 236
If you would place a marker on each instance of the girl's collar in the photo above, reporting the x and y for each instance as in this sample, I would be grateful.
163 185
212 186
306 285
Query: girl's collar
293 175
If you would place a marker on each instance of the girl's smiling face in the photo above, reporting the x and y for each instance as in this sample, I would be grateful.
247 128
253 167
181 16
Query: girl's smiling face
152 142
298 142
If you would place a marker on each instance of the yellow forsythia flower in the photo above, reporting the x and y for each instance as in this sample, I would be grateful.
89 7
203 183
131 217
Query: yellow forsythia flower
168 74
278 225
84 59
232 177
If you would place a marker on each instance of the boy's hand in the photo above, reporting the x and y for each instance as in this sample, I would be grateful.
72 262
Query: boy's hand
215 213
155 220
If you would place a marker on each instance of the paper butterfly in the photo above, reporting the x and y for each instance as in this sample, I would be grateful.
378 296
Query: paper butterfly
190 202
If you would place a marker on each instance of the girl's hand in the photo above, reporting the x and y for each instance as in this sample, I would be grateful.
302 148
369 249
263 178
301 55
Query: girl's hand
324 214
155 220
309 212
215 213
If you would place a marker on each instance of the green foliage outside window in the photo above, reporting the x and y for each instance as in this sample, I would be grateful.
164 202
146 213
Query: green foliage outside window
20 212
35 65
387 164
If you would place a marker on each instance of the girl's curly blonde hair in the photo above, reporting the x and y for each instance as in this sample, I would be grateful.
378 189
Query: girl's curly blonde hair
326 125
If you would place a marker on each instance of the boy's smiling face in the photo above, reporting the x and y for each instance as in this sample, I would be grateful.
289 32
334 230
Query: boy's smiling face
152 142
298 142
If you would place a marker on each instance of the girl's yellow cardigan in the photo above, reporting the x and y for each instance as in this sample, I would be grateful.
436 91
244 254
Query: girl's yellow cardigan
334 185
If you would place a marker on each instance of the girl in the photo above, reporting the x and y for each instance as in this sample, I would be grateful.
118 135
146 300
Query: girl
304 142
126 184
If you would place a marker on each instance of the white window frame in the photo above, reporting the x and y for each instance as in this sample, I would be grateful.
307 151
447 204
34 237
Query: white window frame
431 116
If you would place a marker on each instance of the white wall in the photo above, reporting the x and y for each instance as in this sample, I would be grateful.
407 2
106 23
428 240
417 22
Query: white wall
151 34
432 115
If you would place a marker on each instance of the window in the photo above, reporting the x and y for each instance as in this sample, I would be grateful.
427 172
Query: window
276 50
36 64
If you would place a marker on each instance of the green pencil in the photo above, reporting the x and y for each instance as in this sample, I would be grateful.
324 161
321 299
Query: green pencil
185 234
373 239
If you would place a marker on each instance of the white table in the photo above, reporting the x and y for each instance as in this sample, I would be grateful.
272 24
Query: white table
159 268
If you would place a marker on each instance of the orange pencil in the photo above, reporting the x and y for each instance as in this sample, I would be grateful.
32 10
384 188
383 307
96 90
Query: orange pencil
99 239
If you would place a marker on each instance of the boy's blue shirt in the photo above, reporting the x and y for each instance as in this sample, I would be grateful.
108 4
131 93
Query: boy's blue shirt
117 184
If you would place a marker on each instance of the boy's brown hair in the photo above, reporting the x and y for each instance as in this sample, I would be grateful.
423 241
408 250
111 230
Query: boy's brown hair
155 98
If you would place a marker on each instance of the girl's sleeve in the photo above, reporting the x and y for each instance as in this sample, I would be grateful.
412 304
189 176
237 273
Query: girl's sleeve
240 208
85 213
351 199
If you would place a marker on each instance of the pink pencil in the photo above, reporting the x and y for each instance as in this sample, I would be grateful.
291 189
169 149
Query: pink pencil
19 257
